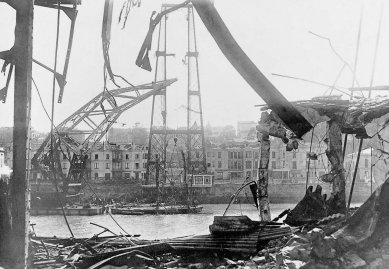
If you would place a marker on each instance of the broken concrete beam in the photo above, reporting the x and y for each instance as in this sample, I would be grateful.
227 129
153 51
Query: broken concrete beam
335 156
263 179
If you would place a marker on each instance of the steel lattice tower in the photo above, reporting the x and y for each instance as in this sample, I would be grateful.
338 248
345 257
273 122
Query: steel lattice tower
164 143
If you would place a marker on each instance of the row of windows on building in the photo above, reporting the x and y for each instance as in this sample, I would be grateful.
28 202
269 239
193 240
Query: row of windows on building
127 176
234 154
274 165
247 154
273 154
119 156
117 166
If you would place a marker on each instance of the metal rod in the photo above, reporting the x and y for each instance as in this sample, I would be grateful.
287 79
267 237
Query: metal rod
355 174
344 145
309 160
352 93
371 170
376 50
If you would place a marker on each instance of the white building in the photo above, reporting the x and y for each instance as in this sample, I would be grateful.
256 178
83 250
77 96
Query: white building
5 171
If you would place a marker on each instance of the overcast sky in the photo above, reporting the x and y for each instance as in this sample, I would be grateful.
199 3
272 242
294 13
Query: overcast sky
274 34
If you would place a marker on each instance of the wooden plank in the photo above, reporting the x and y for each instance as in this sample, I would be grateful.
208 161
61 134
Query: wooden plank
155 248
235 250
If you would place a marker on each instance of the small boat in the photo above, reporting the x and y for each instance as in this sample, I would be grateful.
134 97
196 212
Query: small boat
126 211
153 210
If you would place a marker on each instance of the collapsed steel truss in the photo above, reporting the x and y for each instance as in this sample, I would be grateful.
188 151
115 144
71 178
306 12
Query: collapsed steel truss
77 135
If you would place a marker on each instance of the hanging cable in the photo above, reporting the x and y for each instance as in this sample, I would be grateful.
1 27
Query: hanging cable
87 183
52 119
371 85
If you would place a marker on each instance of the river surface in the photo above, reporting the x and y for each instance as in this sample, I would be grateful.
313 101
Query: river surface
148 226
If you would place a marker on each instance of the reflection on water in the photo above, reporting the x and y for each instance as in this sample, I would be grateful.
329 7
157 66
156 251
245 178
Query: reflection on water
148 226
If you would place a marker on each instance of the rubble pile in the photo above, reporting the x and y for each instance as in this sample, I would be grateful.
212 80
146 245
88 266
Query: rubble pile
361 242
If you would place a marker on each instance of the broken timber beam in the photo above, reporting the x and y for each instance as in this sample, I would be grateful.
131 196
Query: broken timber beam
247 69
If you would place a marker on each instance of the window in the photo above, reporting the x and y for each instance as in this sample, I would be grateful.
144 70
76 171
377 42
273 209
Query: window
127 175
219 154
96 165
137 166
198 180
96 156
240 155
273 165
207 180
219 175
248 165
144 165
107 176
127 157
127 166
366 163
283 164
107 166
273 154
96 176
235 155
230 155
294 165
277 174
137 156
294 155
256 164
256 154
118 165
249 154
107 156
145 156
219 164
240 165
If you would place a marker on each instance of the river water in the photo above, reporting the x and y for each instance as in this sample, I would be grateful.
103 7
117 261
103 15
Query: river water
148 226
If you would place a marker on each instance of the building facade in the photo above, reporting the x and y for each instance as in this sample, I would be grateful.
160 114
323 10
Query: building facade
230 164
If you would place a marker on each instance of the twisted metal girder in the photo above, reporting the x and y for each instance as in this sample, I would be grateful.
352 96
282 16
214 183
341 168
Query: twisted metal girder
90 123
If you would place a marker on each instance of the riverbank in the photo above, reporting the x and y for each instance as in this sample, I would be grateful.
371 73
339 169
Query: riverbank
217 194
